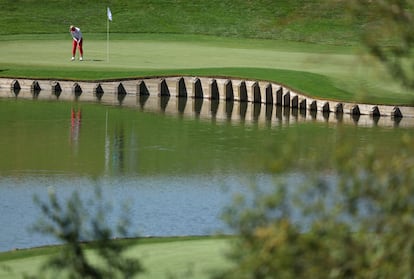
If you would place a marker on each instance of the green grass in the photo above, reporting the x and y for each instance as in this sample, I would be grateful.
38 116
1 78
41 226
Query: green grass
312 47
330 72
310 21
183 257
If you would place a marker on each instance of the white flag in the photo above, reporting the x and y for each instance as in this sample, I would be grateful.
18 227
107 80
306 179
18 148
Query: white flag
109 14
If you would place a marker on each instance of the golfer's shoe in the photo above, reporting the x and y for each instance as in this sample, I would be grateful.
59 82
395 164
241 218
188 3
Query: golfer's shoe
72 59
81 58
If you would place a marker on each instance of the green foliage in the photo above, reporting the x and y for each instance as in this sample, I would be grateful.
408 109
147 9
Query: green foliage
389 34
74 223
354 222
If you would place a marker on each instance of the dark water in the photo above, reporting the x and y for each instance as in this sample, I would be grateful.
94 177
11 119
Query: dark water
176 173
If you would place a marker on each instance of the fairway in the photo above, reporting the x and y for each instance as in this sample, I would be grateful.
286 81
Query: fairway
346 76
196 259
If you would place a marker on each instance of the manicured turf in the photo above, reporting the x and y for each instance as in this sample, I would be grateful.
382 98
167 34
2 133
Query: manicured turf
310 46
180 257
329 72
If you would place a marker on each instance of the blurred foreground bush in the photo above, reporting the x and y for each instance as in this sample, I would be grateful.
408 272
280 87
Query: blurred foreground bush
75 222
388 34
353 220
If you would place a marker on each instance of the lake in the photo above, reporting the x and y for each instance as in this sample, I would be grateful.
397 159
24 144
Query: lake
175 170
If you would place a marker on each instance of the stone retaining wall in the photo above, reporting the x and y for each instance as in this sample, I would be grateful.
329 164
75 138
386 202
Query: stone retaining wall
228 90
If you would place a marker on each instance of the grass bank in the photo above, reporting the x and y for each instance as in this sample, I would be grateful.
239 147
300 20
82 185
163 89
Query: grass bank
322 22
181 257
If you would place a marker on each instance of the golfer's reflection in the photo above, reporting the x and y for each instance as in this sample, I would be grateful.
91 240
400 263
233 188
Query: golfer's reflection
75 117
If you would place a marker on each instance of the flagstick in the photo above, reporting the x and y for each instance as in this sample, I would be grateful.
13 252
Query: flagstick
107 40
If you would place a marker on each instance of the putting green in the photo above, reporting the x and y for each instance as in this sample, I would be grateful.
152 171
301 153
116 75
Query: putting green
181 259
353 77
136 54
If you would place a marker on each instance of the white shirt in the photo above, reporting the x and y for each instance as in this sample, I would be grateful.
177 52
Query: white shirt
77 34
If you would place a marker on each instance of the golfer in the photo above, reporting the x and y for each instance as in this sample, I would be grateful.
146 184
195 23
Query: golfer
77 41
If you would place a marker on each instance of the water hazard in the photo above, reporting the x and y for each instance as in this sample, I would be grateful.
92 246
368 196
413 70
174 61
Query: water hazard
175 169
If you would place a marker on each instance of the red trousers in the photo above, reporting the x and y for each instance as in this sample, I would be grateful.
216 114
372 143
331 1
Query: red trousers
76 44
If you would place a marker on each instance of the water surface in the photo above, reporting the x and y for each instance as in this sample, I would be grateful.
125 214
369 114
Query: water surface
176 172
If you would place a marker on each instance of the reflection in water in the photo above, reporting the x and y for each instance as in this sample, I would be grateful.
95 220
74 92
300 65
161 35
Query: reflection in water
164 102
269 112
231 110
243 110
142 99
235 93
214 108
339 117
121 148
182 102
115 148
256 111
178 190
118 153
198 104
75 119
107 144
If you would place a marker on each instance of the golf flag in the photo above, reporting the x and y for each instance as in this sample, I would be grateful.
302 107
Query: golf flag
109 14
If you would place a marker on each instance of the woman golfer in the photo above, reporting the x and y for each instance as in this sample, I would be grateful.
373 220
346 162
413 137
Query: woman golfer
77 41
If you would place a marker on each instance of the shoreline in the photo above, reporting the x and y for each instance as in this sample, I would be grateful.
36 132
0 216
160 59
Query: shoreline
243 94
